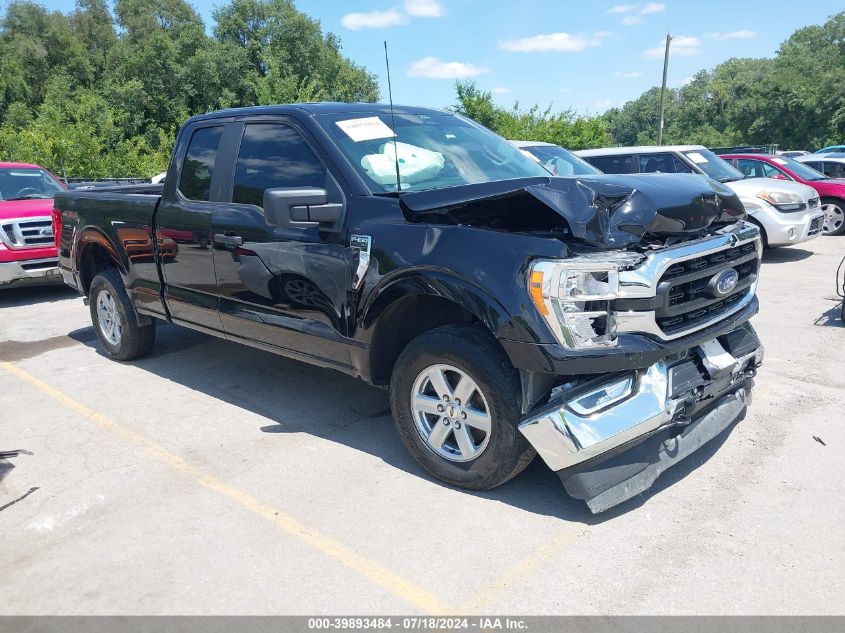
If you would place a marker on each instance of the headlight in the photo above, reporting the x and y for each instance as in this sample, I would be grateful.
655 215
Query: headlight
574 296
783 200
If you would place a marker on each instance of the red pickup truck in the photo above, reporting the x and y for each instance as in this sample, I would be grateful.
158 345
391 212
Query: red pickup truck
27 248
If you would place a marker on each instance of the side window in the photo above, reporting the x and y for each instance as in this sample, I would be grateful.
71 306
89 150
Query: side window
195 181
770 171
663 163
619 164
750 168
274 155
834 170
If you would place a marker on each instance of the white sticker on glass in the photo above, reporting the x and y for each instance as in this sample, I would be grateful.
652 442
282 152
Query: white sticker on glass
697 158
365 129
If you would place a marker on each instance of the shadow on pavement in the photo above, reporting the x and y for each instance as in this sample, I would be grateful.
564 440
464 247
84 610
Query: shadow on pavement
301 398
785 255
831 317
31 295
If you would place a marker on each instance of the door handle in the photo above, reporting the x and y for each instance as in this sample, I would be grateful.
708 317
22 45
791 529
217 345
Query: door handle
229 240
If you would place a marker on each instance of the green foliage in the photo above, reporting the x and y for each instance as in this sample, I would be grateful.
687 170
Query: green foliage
100 94
796 99
564 128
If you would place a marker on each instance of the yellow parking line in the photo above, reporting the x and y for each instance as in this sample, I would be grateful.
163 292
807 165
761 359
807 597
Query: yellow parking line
391 582
523 570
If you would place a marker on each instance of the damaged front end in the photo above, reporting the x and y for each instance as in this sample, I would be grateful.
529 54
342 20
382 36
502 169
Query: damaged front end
608 212
609 438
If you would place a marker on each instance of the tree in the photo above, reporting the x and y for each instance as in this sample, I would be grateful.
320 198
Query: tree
563 128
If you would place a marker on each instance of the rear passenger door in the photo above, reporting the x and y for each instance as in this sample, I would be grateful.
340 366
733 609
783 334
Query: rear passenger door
183 223
285 286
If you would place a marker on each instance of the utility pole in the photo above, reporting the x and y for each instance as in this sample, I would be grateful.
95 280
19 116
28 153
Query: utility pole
663 90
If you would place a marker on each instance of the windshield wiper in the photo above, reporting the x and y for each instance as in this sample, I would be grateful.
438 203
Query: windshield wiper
27 198
731 179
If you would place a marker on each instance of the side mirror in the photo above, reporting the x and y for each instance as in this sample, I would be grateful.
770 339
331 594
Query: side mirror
300 207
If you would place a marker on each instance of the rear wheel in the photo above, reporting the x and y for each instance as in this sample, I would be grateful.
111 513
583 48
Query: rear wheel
834 216
455 400
115 320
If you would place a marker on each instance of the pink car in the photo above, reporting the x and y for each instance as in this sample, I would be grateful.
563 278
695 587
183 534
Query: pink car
28 252
831 190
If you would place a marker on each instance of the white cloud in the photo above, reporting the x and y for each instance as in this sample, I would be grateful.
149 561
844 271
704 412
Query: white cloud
632 20
501 90
743 34
681 46
622 8
424 8
653 7
372 20
433 68
602 104
553 42
631 75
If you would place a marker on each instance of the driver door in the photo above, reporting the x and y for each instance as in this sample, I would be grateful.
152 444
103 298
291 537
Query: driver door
282 286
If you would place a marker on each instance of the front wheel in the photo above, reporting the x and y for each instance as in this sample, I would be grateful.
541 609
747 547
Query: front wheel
834 216
115 320
455 400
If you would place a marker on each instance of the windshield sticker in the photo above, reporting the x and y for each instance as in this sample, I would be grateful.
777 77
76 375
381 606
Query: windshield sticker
697 158
779 161
366 129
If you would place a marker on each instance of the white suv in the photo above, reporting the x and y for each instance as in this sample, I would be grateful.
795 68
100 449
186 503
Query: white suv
786 212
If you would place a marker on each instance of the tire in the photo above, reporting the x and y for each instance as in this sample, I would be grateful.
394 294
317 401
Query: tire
109 303
456 351
834 216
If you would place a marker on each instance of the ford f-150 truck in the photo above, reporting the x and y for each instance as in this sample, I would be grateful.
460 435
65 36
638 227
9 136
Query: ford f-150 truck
599 320
27 247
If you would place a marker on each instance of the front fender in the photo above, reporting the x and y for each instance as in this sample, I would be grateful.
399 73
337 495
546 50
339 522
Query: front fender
443 284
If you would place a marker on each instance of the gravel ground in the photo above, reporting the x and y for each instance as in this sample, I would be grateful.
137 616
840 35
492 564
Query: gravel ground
211 478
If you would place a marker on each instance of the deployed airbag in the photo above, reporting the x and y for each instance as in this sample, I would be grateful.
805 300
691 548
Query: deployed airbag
416 164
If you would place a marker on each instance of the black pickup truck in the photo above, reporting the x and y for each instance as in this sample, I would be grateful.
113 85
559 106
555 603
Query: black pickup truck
600 321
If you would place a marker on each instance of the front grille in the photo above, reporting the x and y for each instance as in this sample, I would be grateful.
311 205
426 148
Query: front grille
687 303
816 225
27 233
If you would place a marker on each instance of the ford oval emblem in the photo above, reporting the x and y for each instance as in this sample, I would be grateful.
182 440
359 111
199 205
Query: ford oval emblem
723 283
47 232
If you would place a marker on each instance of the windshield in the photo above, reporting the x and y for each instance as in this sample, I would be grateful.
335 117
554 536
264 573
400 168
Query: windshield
434 151
23 183
560 162
713 166
804 172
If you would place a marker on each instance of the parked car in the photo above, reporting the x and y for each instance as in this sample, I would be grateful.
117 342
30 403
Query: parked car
830 148
831 165
786 212
557 160
600 320
27 247
830 190
792 153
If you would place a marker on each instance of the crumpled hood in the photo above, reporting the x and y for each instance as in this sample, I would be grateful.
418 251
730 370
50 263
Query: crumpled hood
610 210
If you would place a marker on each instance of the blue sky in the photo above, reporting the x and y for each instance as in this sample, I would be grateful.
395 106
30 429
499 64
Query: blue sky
572 53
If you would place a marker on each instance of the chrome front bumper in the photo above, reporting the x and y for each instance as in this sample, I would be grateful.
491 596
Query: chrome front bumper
603 415
29 271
